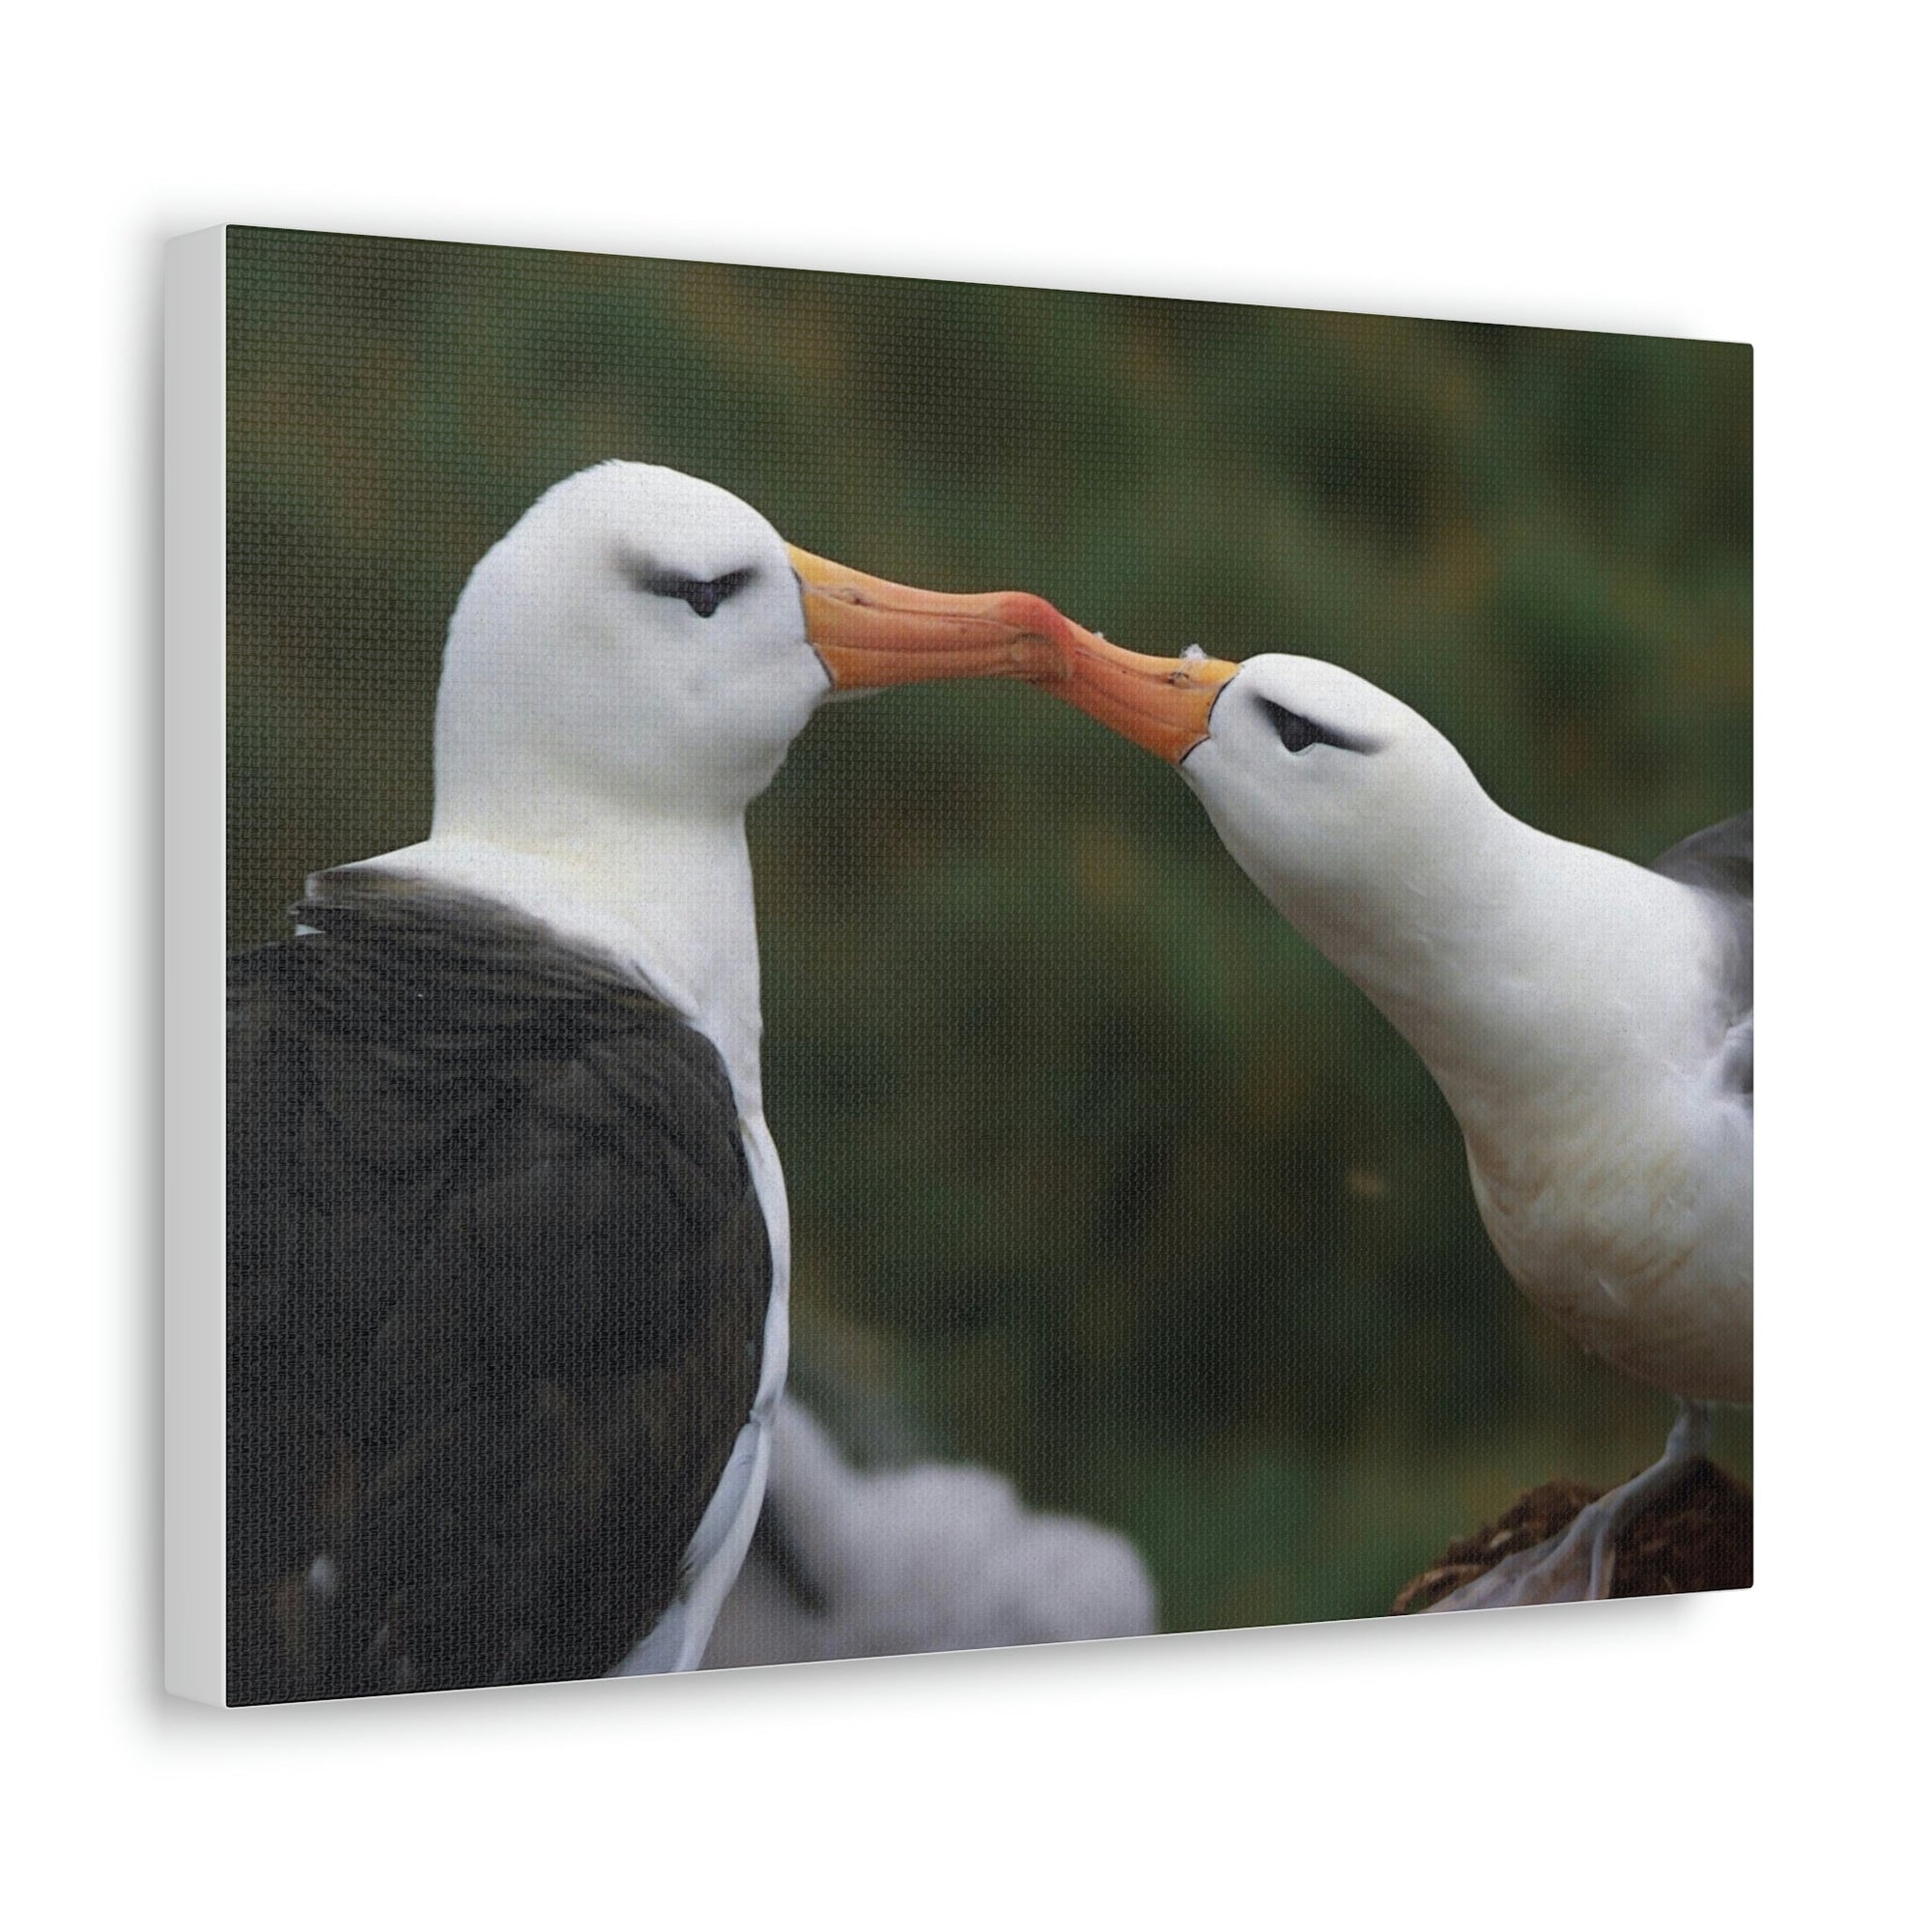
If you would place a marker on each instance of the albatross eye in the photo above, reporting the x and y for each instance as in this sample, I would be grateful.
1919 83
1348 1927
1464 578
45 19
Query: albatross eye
703 594
1297 732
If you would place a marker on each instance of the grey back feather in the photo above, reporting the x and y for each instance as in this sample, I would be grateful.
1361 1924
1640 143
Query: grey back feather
1717 864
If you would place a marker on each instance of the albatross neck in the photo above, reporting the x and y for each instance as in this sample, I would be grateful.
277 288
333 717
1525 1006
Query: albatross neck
1528 975
668 894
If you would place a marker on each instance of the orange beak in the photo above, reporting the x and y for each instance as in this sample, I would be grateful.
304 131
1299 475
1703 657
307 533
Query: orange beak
869 633
1161 704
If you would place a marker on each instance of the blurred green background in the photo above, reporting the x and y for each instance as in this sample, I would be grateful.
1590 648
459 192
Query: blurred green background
1099 1175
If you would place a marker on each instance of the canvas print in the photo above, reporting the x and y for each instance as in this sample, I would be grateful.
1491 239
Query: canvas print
918 966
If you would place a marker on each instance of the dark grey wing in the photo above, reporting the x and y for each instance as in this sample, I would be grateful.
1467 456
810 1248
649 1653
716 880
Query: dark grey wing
1717 864
1716 860
497 1282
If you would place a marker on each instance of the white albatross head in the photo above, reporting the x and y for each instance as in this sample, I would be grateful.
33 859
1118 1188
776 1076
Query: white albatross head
642 643
1345 807
1327 790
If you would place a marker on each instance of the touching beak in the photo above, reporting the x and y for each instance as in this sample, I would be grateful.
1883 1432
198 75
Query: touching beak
869 633
1161 704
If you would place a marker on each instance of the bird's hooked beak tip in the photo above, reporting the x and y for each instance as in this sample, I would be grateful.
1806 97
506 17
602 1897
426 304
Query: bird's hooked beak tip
870 633
1162 704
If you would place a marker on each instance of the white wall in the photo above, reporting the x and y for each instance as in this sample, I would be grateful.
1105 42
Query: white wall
1660 168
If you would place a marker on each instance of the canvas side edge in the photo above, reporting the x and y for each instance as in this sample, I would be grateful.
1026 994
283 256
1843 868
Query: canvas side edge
194 1397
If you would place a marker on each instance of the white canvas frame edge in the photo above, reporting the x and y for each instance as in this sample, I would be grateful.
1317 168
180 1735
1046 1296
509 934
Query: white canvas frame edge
194 768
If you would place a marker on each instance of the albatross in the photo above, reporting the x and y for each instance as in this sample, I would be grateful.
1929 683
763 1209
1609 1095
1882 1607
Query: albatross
508 1249
1588 1020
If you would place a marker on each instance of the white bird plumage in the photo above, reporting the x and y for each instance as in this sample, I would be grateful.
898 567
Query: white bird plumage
915 1558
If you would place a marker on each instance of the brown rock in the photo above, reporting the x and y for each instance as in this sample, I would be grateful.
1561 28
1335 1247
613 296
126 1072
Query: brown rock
1695 1536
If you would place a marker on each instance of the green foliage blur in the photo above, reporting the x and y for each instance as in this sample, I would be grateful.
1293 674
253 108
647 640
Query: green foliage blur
1098 1172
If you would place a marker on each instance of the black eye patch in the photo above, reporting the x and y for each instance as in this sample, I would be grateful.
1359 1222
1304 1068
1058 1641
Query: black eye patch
703 594
1297 732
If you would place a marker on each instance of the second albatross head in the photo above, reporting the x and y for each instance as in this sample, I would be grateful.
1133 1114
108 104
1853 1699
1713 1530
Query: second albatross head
1325 788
